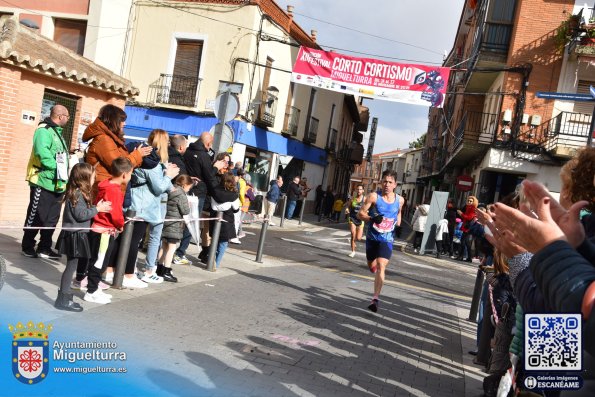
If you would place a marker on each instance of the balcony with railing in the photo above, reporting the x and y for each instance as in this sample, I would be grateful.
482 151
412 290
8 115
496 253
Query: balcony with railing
579 33
473 135
292 118
561 136
491 41
312 132
175 90
268 110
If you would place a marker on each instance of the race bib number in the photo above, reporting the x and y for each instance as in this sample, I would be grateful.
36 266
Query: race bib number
386 226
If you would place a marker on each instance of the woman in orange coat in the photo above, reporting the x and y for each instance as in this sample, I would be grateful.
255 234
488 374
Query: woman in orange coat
106 134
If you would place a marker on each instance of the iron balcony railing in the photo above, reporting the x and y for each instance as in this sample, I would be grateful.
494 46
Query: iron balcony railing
293 117
176 90
475 127
566 130
494 29
269 109
312 130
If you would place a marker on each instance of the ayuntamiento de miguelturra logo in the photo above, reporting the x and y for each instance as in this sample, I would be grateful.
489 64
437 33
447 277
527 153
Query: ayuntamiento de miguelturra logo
30 351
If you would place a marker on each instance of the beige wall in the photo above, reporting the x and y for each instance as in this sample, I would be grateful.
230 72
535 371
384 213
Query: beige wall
152 48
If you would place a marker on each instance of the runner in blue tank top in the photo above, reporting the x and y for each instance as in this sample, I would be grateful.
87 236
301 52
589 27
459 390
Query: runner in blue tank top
381 211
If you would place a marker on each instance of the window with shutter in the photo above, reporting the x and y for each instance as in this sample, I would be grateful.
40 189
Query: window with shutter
184 81
71 34
584 107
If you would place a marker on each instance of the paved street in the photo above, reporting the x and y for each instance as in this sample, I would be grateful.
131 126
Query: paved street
296 325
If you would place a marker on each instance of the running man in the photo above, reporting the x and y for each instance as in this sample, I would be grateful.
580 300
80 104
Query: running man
381 210
356 226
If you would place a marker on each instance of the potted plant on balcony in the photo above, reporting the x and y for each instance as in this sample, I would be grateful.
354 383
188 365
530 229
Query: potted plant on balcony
567 31
589 37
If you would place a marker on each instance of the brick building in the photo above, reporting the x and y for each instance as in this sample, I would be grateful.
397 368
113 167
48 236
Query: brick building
493 126
35 74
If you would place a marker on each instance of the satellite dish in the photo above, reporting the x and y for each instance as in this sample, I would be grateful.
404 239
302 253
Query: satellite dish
223 141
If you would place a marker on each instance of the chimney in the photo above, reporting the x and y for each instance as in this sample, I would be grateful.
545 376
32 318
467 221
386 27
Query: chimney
290 11
313 34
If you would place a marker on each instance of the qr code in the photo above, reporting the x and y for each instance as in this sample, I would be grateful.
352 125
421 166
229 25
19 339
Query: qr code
553 342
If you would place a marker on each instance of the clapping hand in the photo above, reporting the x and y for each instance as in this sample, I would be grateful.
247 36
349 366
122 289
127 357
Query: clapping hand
171 170
522 227
567 220
145 150
104 206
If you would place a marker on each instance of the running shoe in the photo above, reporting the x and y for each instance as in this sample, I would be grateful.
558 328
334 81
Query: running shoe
29 253
374 305
235 241
372 269
48 254
152 278
181 260
352 254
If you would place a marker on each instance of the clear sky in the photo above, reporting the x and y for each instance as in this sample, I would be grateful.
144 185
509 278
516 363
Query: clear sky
429 24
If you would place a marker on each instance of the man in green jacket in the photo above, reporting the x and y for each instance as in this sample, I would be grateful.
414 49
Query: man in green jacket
47 174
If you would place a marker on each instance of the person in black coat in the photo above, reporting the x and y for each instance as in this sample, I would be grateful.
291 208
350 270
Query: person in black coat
329 200
199 165
563 264
451 216
177 146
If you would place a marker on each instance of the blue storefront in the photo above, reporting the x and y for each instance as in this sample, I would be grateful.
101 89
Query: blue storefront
258 141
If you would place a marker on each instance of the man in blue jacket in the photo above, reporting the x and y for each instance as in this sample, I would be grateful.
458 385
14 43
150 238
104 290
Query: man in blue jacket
272 197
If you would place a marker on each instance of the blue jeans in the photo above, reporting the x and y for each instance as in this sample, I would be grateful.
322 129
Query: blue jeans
290 208
154 241
221 247
186 237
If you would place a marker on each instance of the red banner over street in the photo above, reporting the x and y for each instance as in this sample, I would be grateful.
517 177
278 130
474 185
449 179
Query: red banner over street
399 82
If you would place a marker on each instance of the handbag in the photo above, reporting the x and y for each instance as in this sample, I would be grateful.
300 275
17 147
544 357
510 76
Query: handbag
192 219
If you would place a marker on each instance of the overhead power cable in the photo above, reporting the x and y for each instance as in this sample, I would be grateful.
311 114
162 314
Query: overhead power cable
367 34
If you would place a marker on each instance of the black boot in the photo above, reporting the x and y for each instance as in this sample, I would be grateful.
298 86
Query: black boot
65 302
160 270
204 255
167 276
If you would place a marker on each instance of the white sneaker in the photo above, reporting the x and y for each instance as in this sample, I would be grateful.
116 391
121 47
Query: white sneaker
97 297
416 251
109 278
235 241
133 282
101 293
352 254
152 279
272 224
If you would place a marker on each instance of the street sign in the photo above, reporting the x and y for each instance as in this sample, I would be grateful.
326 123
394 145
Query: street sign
464 183
562 96
227 106
223 140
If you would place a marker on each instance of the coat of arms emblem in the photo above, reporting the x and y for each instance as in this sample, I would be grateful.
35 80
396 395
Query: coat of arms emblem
30 351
